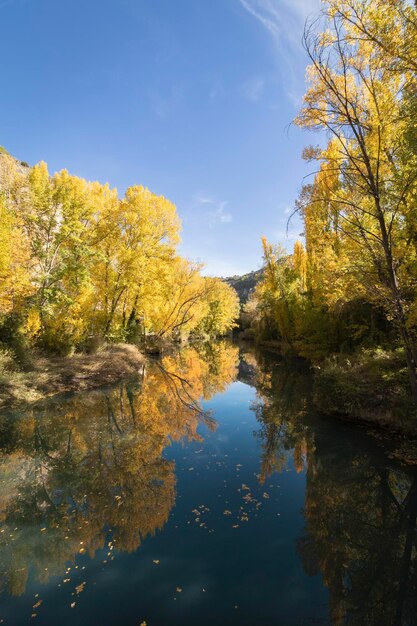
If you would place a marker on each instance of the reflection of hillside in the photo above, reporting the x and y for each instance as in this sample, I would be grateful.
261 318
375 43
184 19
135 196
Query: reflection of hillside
75 469
360 507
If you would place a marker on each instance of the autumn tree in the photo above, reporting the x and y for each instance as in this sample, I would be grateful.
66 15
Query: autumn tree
357 97
77 262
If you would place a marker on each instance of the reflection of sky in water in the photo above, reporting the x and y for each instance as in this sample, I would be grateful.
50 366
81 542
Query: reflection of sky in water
228 550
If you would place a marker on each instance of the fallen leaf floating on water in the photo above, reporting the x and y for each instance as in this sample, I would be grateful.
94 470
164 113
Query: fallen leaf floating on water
156 561
178 589
72 604
227 512
80 588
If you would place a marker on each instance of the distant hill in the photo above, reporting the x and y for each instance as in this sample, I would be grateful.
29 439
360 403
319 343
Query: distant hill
245 284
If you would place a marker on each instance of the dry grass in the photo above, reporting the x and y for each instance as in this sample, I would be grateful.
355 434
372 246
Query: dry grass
51 376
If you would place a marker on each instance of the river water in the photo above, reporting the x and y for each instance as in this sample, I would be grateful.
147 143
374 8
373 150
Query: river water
206 491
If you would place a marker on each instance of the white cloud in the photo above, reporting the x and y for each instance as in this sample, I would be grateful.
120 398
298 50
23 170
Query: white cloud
265 12
214 210
284 21
277 15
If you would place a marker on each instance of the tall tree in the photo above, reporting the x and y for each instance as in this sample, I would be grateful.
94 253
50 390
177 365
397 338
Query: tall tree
357 97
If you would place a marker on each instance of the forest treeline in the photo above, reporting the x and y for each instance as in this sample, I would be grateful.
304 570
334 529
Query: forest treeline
352 288
78 262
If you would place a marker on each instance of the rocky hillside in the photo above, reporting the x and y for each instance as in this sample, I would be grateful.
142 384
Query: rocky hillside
5 156
245 284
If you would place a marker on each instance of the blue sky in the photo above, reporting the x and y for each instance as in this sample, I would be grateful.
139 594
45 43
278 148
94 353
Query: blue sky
191 98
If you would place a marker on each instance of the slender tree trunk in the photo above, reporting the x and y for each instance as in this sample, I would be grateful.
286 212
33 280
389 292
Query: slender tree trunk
410 358
400 318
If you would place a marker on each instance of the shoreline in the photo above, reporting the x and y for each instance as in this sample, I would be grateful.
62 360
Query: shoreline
53 376
371 393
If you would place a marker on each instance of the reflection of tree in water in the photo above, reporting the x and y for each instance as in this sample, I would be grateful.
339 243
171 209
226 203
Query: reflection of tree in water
78 470
360 507
281 403
361 532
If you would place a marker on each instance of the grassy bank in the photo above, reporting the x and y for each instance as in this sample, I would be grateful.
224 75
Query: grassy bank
55 375
371 386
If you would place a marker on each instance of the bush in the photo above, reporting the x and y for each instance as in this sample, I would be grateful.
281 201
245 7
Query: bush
13 339
54 343
372 384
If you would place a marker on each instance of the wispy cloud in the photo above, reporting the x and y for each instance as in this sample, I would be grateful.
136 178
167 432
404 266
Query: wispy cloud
252 89
215 89
218 267
162 104
288 229
284 21
5 3
211 210
277 15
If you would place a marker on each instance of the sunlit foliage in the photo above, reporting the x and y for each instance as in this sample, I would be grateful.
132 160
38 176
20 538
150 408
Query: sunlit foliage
77 261
359 211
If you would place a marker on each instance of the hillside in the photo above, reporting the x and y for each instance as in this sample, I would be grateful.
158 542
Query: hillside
245 284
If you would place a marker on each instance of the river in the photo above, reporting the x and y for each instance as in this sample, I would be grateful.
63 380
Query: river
206 491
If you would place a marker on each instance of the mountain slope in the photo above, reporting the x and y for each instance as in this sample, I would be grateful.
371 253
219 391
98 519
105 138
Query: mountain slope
245 284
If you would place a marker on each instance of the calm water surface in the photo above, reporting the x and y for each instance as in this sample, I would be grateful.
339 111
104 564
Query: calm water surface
205 492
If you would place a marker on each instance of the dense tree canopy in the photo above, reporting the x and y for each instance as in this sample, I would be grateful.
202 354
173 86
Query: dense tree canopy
77 261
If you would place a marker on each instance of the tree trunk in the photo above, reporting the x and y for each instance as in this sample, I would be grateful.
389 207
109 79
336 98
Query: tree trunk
398 303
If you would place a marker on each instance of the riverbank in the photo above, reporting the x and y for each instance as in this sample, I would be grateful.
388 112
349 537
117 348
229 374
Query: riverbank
369 387
56 375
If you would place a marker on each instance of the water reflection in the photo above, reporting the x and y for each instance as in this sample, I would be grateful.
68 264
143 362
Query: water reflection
360 502
361 532
75 469
87 475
